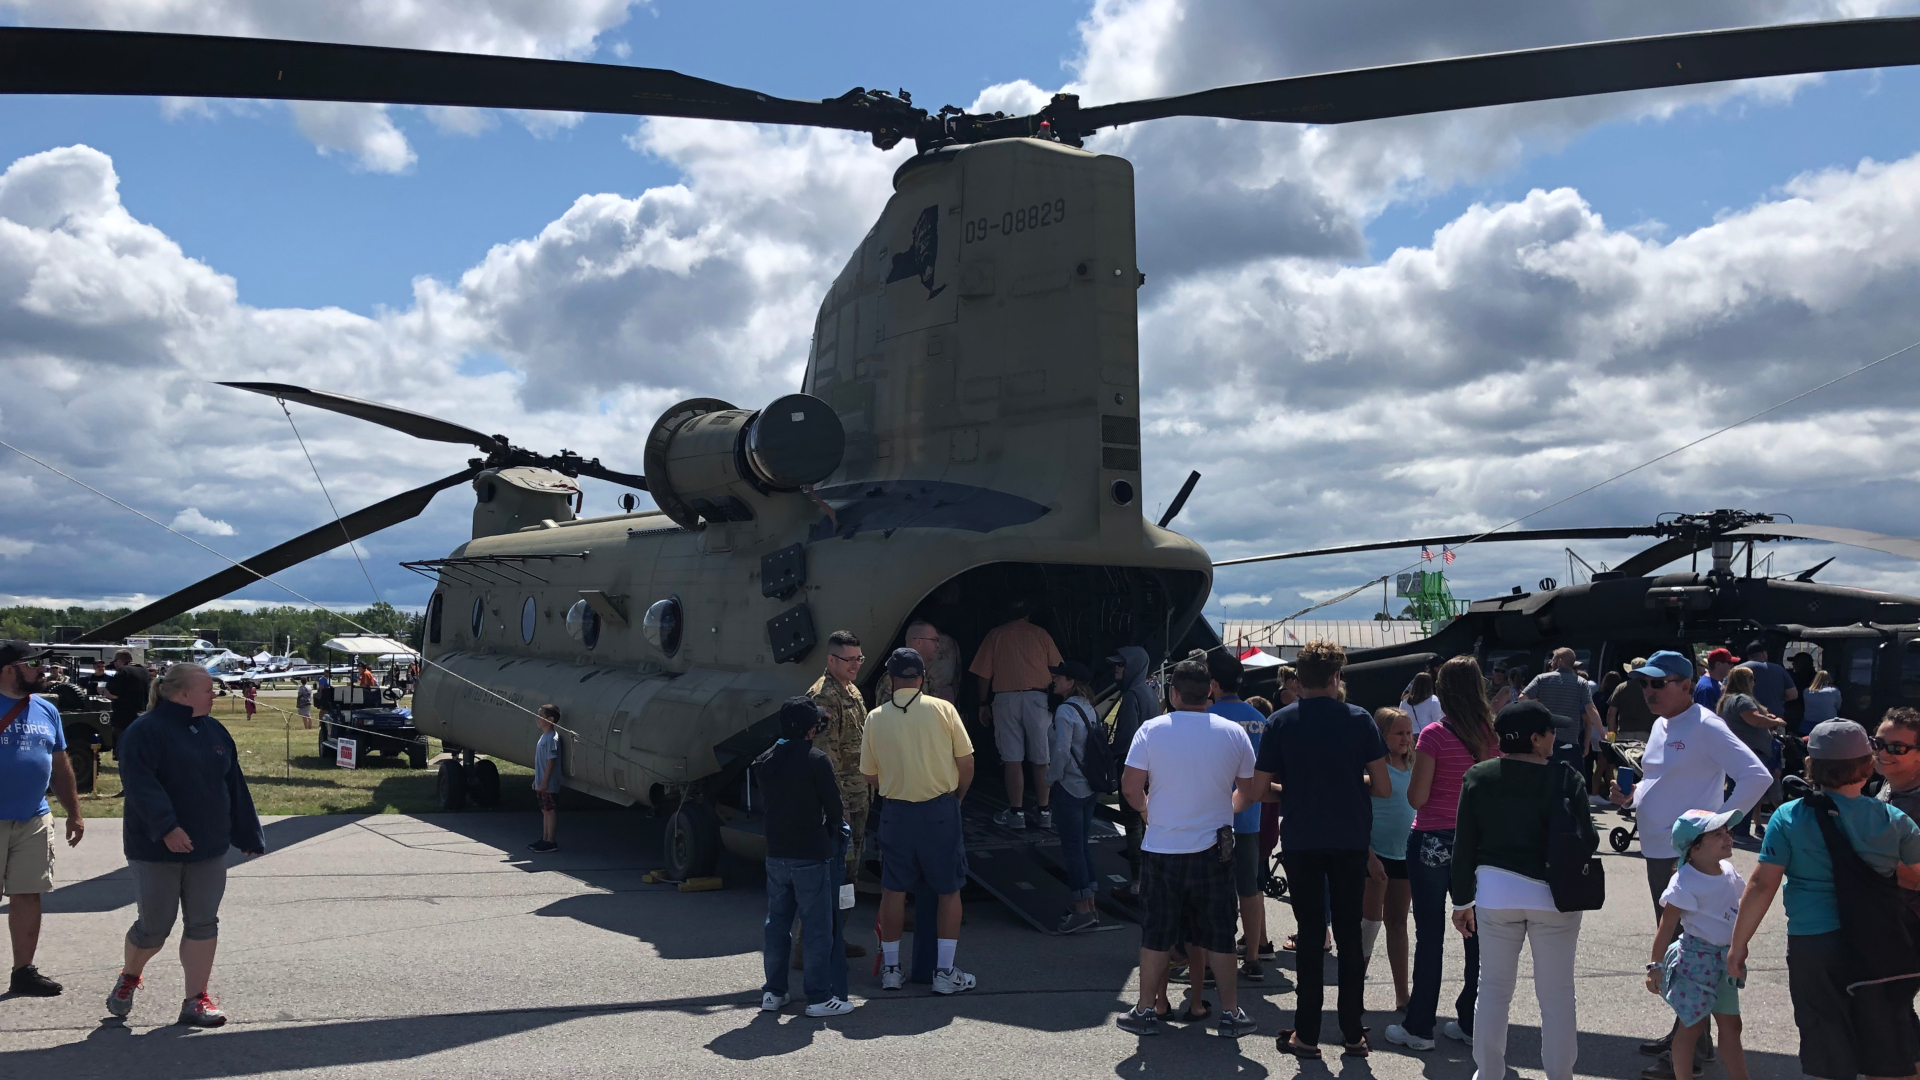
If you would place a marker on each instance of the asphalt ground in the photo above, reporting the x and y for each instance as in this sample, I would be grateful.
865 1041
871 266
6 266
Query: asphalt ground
395 946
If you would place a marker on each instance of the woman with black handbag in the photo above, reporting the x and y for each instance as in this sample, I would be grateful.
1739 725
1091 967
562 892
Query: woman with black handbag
1523 872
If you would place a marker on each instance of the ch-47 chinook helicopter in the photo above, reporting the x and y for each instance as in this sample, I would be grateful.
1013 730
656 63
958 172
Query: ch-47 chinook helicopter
969 428
1867 641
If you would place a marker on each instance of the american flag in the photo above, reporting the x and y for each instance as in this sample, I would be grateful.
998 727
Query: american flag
1446 555
1425 555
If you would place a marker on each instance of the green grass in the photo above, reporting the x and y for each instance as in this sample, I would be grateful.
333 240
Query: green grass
304 783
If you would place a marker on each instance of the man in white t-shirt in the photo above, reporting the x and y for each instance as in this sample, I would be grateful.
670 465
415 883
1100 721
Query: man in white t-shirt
1690 754
1187 773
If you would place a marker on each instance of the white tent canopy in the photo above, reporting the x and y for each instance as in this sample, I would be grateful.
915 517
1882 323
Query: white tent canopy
369 645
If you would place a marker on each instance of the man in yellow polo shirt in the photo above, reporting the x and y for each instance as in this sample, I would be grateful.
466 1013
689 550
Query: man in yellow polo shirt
916 751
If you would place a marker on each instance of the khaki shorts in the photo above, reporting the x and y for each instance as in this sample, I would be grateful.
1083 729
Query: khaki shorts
1020 723
26 862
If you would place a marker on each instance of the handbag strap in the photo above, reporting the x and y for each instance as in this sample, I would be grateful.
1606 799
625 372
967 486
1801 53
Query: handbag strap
14 713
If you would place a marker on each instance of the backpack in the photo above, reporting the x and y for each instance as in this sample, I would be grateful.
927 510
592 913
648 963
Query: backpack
1097 761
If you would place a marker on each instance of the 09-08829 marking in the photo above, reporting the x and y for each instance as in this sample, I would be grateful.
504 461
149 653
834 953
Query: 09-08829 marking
1021 219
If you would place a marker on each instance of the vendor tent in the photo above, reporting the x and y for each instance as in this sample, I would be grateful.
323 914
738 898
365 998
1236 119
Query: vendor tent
370 645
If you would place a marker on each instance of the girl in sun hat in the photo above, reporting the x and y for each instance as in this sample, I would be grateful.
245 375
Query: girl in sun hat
1690 970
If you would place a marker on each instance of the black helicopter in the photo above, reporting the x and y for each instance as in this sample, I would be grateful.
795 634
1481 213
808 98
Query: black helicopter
1867 641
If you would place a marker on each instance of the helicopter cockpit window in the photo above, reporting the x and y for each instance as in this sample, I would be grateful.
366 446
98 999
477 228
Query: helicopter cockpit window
662 626
529 618
479 617
583 623
433 618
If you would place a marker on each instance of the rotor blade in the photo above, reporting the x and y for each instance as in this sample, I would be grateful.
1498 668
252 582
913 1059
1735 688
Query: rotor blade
35 60
418 425
1540 74
393 511
1664 552
612 476
1594 533
1180 500
1907 547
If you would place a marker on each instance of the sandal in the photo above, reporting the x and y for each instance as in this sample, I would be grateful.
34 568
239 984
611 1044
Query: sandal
1188 1016
1356 1049
1292 943
1286 1044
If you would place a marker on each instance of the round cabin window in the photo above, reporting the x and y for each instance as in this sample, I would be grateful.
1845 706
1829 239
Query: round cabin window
583 623
662 626
479 616
529 618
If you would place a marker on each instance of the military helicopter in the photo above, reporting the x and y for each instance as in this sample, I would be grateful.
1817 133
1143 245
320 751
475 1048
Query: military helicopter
1868 641
968 429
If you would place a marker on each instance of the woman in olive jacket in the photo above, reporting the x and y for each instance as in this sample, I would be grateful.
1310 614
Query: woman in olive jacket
1500 889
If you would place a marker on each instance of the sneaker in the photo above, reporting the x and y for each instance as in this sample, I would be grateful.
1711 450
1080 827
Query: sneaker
28 982
952 981
772 1002
1656 1047
1454 1031
1235 1024
543 846
831 1007
1139 1022
1077 921
1663 1069
1252 972
200 1011
120 1001
1400 1036
1011 818
892 978
1046 819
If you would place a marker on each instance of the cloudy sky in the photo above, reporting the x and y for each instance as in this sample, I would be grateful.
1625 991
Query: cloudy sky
1427 325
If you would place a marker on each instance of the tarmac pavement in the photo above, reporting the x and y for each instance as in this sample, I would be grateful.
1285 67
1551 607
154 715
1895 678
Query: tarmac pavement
437 946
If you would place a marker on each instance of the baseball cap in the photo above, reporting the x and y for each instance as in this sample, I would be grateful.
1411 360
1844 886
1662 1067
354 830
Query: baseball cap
798 715
1073 669
15 651
1838 740
905 664
1721 656
1695 824
1666 664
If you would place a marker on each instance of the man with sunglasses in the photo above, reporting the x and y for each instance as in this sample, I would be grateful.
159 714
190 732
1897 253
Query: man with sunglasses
846 725
1690 755
33 756
1896 756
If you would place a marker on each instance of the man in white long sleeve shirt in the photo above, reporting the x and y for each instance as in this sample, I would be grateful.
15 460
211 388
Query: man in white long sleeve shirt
1690 754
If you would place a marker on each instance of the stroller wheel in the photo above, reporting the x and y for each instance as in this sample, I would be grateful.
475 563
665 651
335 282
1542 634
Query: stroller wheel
1619 838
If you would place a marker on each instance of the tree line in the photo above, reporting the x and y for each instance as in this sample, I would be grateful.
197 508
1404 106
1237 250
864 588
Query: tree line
241 631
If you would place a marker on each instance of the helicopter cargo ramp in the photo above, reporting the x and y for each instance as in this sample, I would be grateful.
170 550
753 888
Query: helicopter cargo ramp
1023 868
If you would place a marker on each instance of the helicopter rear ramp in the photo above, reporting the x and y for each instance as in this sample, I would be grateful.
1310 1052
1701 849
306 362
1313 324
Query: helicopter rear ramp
1023 869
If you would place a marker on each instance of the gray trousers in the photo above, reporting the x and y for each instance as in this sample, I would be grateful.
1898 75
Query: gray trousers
1659 873
161 890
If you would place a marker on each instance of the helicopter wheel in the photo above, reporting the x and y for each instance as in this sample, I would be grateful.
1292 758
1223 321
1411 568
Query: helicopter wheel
1619 838
692 841
417 755
451 786
486 783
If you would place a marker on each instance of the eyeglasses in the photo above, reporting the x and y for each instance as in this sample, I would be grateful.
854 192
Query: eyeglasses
848 659
1895 749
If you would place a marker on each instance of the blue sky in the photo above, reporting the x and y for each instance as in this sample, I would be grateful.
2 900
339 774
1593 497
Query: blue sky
245 192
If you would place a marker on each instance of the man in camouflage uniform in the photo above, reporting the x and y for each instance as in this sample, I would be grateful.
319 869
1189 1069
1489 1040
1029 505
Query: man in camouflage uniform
846 724
942 655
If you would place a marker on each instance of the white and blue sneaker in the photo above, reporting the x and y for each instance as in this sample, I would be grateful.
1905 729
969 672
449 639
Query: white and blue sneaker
1452 1031
831 1007
1400 1036
892 978
772 1002
951 981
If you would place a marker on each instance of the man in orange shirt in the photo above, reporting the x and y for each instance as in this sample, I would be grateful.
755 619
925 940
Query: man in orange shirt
1012 666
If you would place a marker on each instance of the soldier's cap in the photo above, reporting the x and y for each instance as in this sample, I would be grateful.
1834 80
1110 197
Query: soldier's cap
904 663
1073 669
15 651
799 716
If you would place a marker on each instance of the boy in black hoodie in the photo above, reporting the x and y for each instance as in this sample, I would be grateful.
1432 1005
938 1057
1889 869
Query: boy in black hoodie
1138 704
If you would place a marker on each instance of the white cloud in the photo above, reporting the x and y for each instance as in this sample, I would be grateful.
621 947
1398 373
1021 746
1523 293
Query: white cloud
11 548
191 520
561 29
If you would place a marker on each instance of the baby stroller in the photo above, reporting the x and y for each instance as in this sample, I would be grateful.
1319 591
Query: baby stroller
1273 883
1626 763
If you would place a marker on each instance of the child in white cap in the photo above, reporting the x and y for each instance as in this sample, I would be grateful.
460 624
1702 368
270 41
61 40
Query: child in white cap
1700 904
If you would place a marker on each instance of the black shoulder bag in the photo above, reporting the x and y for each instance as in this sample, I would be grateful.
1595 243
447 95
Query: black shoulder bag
1577 878
1879 947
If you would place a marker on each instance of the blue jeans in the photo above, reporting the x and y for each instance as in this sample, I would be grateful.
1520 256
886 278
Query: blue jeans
1430 875
810 891
1073 816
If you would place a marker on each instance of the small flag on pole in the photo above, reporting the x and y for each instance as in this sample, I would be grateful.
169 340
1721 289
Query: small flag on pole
1446 555
1425 555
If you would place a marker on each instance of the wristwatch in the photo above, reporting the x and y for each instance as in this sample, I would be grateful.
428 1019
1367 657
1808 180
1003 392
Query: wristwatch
1653 964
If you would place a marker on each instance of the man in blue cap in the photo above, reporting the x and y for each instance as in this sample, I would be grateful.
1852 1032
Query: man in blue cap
916 752
1690 754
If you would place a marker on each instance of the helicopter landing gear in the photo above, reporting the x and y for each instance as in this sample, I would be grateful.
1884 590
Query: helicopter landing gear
451 785
692 841
484 778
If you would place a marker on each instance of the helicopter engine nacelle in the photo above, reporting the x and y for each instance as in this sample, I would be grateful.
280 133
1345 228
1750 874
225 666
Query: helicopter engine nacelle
709 461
